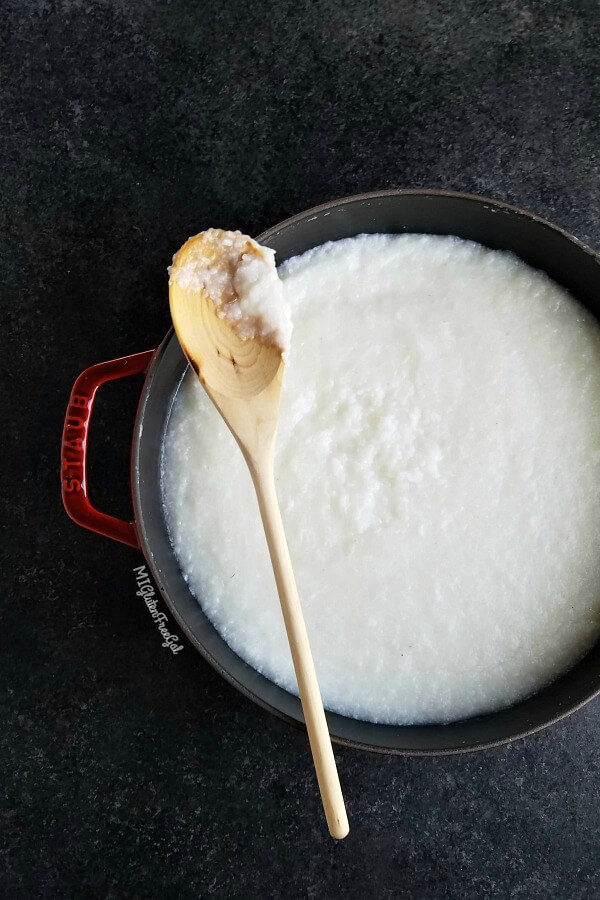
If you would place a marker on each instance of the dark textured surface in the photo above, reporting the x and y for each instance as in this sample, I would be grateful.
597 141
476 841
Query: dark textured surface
127 772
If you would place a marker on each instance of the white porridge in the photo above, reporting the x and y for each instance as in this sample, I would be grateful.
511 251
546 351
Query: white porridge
438 470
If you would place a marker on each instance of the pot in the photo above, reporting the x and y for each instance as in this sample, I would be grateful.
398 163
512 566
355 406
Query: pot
496 225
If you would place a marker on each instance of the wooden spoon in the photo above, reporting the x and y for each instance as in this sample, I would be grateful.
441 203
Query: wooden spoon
243 379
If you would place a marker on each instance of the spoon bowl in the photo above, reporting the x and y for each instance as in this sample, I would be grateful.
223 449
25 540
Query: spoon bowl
224 361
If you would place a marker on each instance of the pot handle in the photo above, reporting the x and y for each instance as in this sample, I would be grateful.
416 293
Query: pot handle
73 457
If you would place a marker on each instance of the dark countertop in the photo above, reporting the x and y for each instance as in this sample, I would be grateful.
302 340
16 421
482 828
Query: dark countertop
129 772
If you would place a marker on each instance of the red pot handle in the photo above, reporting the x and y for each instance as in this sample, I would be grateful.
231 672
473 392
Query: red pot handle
73 459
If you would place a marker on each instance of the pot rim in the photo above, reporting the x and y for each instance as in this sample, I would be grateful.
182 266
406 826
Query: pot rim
433 193
141 530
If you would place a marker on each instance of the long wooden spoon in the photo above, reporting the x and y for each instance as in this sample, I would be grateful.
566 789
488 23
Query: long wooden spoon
243 379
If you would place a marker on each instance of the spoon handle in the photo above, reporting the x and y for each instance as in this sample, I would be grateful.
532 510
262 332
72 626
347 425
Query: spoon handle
310 696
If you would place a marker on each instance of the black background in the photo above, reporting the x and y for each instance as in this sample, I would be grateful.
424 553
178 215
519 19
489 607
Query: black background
126 126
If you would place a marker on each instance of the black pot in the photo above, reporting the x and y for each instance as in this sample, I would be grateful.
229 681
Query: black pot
493 224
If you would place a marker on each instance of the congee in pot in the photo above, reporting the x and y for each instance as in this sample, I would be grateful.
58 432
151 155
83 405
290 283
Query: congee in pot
438 470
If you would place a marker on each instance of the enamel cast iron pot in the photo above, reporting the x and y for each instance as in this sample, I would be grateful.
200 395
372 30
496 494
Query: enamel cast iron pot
493 224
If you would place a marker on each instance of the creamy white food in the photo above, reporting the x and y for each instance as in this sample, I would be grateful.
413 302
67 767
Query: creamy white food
240 277
438 469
